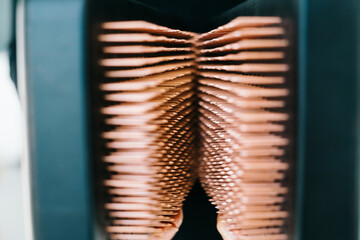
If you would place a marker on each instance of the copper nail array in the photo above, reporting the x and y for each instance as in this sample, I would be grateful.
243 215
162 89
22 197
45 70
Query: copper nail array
242 97
149 97
165 91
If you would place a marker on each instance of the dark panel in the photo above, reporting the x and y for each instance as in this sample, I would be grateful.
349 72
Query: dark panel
329 114
57 120
199 217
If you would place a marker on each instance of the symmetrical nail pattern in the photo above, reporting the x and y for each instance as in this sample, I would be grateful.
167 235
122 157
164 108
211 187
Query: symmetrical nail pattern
178 105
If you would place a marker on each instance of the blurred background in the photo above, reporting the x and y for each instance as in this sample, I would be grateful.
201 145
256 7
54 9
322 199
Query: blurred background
11 205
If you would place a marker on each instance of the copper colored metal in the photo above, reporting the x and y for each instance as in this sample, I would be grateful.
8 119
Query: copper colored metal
146 27
140 38
242 33
149 81
238 23
249 67
141 72
151 116
245 56
240 78
143 49
138 62
163 90
247 45
242 99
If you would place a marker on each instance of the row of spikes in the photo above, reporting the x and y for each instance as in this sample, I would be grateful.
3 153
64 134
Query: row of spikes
149 92
242 103
153 115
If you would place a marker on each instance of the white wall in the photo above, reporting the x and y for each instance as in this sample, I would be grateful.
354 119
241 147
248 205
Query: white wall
11 203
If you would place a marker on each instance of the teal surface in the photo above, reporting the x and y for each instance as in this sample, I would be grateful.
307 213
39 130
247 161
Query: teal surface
328 110
57 120
5 24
